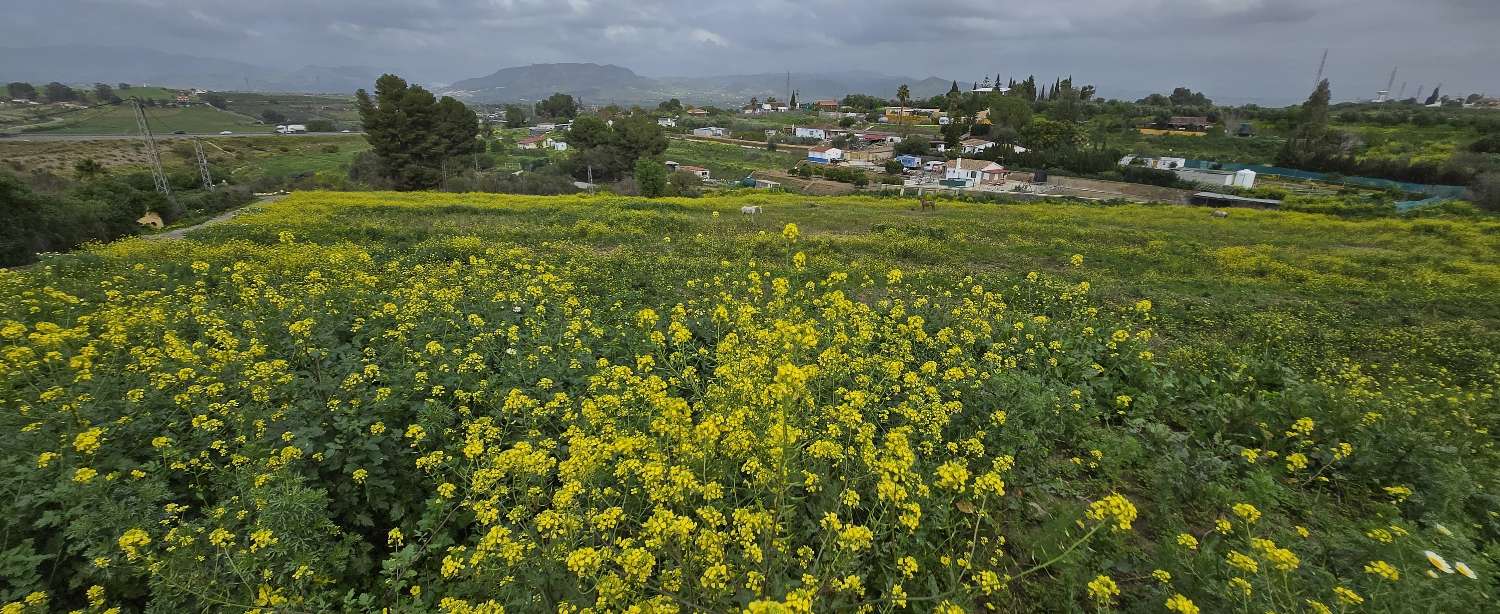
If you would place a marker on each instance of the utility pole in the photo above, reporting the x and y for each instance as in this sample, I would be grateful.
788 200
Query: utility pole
157 174
208 178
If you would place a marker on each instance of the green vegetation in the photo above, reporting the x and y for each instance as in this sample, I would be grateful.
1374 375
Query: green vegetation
281 157
726 161
370 400
413 135
120 120
98 207
296 108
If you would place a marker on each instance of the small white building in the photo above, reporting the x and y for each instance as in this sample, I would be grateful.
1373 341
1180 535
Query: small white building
1244 178
559 146
701 172
974 146
810 132
974 172
711 131
540 141
666 122
825 155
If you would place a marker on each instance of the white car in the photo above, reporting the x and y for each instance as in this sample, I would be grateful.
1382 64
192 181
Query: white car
227 132
344 131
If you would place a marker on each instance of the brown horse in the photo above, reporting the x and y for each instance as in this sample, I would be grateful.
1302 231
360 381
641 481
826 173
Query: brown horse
927 203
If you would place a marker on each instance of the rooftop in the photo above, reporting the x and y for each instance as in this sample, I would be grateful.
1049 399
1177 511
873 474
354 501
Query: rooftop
972 165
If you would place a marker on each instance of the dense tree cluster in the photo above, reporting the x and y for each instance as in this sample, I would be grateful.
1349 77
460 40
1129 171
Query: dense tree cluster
609 150
47 213
558 106
20 90
415 136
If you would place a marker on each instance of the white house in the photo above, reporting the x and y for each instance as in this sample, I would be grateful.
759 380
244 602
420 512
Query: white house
1244 178
666 122
974 146
540 141
974 172
559 146
810 132
701 172
711 131
825 155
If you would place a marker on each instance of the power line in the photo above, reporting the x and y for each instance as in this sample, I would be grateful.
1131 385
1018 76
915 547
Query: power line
157 174
208 178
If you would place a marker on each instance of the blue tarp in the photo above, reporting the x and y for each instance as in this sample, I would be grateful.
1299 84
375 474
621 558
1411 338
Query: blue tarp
909 161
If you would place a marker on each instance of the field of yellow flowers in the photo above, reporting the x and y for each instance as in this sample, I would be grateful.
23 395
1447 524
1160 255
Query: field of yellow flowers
482 403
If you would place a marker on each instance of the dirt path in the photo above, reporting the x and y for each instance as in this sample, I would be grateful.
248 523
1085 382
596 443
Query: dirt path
178 233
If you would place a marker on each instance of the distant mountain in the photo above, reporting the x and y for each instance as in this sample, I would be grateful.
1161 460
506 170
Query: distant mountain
589 82
600 84
90 64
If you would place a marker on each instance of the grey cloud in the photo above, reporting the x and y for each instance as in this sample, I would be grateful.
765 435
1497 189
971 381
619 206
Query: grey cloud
1234 49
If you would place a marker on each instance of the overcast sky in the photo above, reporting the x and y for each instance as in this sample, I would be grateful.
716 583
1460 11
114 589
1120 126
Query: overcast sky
1234 50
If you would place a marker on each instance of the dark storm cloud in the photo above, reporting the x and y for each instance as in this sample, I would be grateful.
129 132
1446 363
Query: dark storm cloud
1235 49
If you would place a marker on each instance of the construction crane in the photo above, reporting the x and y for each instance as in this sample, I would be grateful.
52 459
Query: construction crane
157 174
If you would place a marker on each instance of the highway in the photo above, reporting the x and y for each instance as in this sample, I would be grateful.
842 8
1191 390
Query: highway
35 137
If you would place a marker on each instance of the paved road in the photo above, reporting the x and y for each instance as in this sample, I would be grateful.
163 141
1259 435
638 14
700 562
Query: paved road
178 233
43 137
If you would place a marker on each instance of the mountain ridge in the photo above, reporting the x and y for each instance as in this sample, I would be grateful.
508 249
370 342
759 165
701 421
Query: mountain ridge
143 66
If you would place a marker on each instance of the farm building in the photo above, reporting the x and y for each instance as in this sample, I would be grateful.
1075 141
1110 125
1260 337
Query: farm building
666 122
811 132
878 137
697 112
873 155
827 105
701 172
1241 179
1194 124
825 155
540 141
973 172
974 146
1210 198
909 161
711 131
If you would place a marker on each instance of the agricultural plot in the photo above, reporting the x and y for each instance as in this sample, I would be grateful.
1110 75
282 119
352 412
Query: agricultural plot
296 107
245 157
727 161
120 119
351 401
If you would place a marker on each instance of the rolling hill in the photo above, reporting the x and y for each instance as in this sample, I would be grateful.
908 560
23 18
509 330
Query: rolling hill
89 64
595 83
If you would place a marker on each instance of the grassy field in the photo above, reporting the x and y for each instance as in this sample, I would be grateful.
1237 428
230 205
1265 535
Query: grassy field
338 109
197 119
351 401
1254 150
246 157
725 161
285 157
